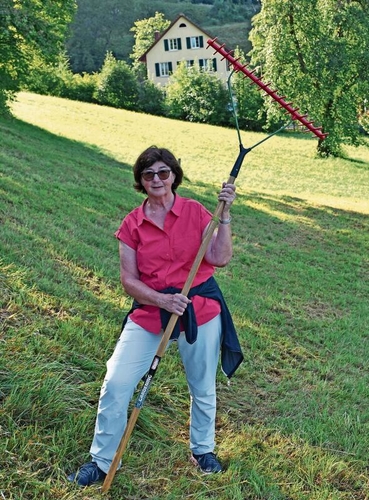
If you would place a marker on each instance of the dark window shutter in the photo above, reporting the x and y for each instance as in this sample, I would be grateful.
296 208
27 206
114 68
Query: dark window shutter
201 63
188 41
201 41
215 64
157 69
170 67
166 45
179 43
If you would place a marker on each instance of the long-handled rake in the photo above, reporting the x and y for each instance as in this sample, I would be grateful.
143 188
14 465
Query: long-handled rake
238 66
200 254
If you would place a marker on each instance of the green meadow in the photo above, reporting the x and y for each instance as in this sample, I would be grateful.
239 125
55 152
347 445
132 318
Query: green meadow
293 423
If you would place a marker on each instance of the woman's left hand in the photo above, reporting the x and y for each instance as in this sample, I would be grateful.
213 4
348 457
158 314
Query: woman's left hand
228 195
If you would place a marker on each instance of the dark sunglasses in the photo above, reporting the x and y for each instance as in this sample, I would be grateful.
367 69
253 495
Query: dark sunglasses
150 174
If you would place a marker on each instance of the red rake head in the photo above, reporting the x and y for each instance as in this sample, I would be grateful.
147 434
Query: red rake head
265 86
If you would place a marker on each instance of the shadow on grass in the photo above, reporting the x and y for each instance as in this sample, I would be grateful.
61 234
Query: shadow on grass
297 287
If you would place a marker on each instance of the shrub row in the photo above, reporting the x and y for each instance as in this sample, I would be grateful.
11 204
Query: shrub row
192 94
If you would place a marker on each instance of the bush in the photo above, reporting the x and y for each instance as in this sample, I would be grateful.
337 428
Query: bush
197 96
364 121
117 85
151 98
48 79
81 87
6 95
58 80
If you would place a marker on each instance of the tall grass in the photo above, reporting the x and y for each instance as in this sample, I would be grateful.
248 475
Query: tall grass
294 421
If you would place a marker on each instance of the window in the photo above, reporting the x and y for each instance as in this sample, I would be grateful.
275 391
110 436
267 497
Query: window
163 69
195 42
172 44
208 64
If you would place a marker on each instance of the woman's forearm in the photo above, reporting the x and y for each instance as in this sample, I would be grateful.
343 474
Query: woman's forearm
174 303
220 249
142 293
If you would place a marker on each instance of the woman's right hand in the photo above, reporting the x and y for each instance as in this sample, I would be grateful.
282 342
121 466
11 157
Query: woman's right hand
175 303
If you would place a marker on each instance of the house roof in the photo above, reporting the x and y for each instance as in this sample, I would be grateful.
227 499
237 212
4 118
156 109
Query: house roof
143 57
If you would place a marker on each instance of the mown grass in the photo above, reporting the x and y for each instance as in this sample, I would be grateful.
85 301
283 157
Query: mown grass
293 423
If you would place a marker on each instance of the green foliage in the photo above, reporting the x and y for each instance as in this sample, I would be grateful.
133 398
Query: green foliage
233 34
29 29
249 102
101 27
197 96
317 53
117 85
364 121
151 98
144 34
48 79
57 79
200 13
6 96
193 94
81 87
228 11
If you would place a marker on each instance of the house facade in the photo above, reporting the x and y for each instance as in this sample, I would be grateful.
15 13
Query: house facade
182 41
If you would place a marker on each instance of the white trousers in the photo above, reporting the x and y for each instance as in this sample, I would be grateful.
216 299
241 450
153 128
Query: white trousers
131 359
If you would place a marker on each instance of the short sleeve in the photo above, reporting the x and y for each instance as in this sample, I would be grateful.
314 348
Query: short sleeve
127 232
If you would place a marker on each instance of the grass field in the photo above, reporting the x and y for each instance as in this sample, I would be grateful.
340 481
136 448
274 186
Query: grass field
293 424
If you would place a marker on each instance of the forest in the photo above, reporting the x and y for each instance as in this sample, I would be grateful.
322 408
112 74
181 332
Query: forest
99 27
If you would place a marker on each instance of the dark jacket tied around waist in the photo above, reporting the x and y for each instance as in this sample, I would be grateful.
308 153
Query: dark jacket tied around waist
231 353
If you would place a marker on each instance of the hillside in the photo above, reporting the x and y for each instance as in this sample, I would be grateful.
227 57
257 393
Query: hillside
233 35
293 422
99 27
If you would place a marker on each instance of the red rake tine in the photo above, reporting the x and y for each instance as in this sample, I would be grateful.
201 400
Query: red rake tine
265 87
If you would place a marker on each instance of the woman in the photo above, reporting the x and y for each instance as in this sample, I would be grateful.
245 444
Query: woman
158 242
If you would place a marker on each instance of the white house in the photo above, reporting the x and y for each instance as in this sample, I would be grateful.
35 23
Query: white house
183 40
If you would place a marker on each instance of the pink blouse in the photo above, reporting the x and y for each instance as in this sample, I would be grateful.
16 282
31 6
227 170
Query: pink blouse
165 256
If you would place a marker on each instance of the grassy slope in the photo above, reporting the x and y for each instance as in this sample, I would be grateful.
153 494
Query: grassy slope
294 422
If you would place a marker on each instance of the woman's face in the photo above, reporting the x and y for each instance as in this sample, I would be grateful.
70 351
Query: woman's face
154 185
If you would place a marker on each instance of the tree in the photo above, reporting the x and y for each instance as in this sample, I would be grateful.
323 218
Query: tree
197 96
117 86
100 27
151 98
144 35
317 53
249 102
228 11
29 29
